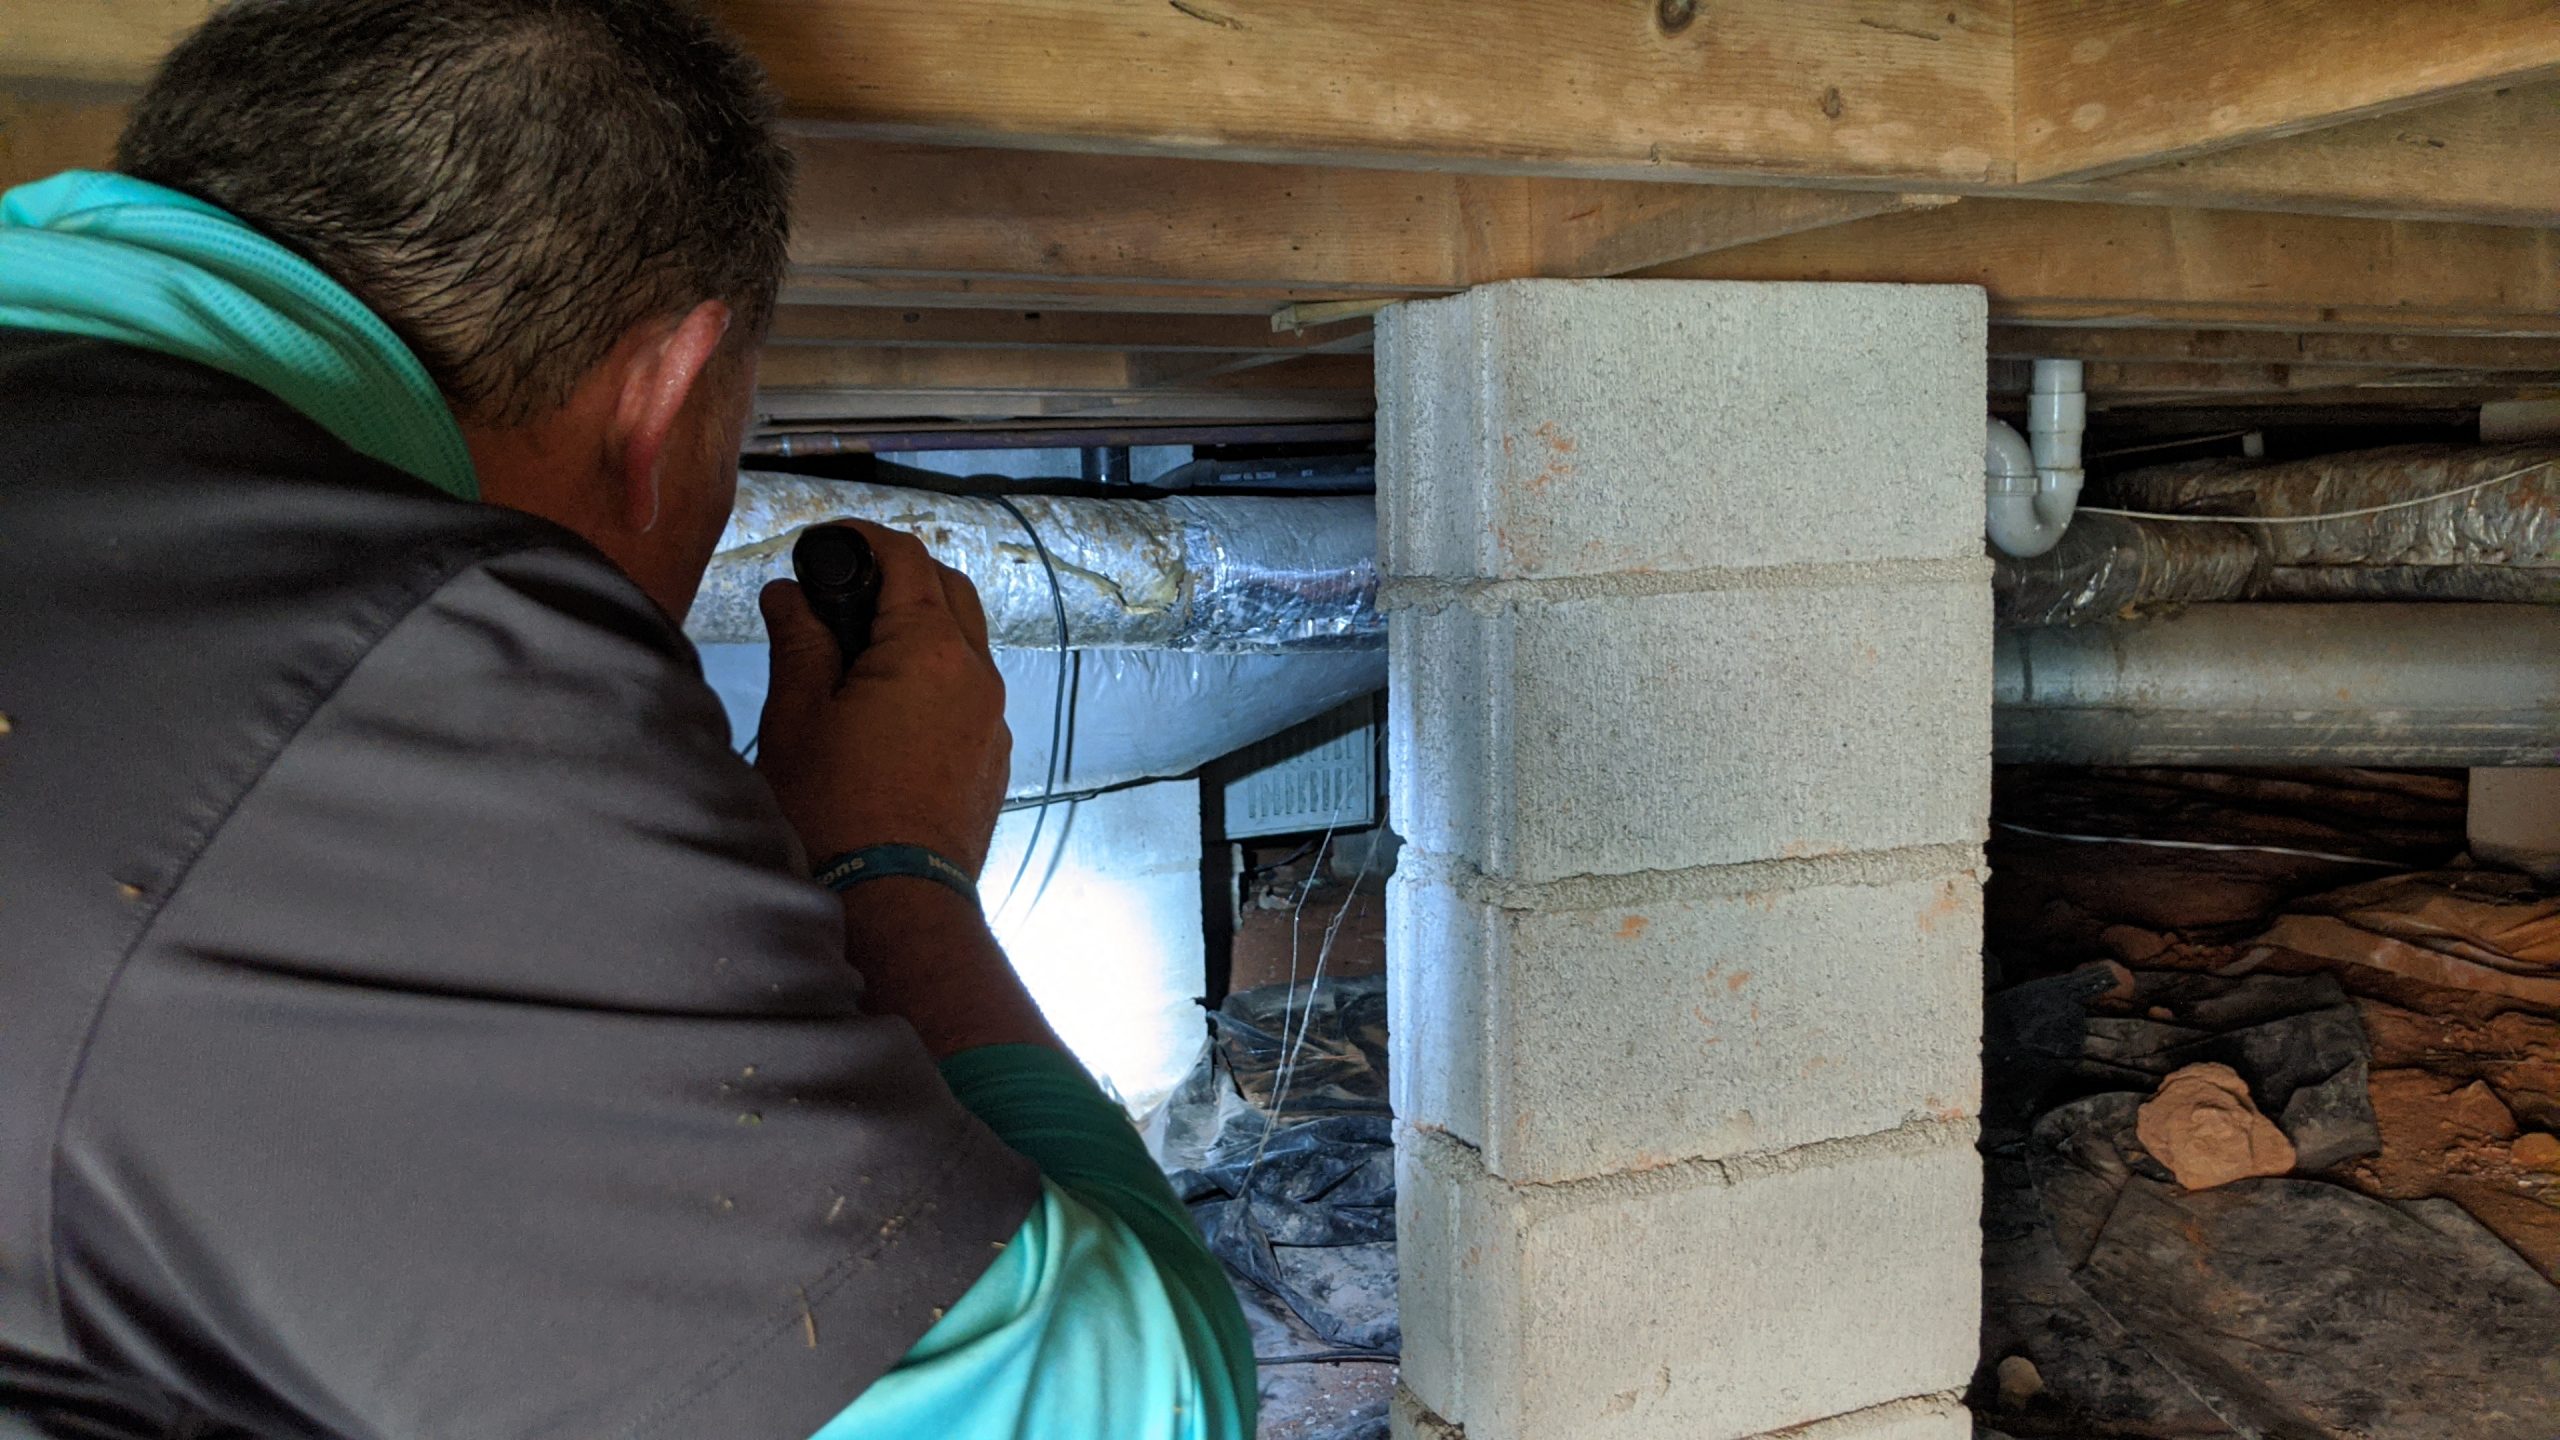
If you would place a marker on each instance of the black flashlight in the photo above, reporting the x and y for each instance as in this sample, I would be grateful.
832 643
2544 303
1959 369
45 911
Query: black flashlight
841 577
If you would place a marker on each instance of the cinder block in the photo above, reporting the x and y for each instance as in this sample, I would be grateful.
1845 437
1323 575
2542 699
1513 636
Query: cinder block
1544 428
1569 1045
1678 1305
1408 1420
1615 734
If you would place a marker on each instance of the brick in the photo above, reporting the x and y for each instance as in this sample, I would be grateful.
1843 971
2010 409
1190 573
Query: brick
1545 428
1620 733
1567 1045
1682 1303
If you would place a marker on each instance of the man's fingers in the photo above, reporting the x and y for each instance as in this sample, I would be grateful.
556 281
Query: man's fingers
908 575
805 658
962 596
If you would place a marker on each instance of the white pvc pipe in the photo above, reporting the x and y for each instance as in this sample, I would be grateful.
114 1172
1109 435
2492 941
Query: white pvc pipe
2031 487
2057 414
2014 503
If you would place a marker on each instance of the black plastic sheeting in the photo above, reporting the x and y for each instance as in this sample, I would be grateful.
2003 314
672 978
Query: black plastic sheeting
1294 1180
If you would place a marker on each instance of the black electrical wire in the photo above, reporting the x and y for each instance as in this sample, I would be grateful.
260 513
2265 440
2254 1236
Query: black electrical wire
1058 710
1328 1357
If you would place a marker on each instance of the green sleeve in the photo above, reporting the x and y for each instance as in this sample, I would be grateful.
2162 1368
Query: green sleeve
1105 1319
1042 1104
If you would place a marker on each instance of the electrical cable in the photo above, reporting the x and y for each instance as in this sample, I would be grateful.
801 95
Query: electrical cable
2316 519
1324 952
1292 1049
1327 1357
2202 845
1058 709
1288 997
2216 437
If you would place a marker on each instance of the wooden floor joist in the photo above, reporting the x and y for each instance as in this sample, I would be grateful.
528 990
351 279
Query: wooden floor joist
2328 349
1907 93
1038 294
848 326
2123 265
41 136
874 404
2108 85
2491 159
871 209
2305 202
834 383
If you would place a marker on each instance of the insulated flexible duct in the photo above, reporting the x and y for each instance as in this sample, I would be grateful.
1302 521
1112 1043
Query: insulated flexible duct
1200 573
2501 543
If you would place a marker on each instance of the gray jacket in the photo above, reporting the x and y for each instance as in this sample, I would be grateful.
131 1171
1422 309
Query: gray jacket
414 1022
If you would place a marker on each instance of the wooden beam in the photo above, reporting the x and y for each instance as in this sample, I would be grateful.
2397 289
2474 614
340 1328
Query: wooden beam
870 209
2108 85
2275 347
841 325
1062 370
1611 227
2108 380
2371 402
2491 159
2133 266
966 292
1896 90
2482 158
91 44
872 406
41 136
810 383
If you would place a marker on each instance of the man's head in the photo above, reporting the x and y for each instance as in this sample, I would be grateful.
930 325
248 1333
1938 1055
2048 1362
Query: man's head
574 211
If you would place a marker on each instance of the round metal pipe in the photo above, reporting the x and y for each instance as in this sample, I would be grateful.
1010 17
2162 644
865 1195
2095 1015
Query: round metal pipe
2364 684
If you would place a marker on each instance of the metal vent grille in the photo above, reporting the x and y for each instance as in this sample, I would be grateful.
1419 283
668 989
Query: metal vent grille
1321 774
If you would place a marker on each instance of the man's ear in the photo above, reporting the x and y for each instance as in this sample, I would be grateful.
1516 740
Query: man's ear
660 375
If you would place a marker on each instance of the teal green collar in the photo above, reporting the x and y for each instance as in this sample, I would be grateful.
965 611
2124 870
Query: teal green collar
109 256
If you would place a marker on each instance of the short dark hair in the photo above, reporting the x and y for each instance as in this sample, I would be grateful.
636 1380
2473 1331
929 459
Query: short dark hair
510 184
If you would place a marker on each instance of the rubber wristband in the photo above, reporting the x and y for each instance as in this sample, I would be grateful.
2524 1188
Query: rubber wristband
882 862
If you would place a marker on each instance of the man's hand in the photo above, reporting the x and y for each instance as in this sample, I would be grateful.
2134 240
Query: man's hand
910 746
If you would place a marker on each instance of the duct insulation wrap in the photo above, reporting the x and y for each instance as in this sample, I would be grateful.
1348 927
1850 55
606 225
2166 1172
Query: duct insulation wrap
1231 574
2290 684
2110 568
2501 543
1131 714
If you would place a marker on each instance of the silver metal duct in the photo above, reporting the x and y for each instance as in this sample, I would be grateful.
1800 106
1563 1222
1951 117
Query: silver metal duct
2109 568
1199 573
2500 544
2295 684
1146 714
